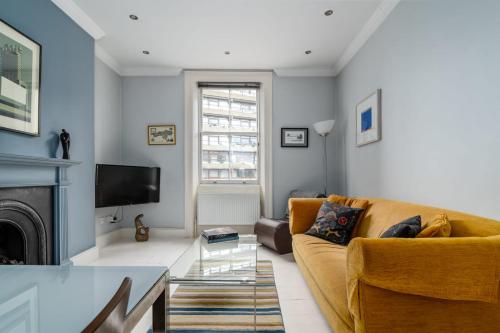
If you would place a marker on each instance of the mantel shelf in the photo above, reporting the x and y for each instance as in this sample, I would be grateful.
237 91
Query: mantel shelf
13 159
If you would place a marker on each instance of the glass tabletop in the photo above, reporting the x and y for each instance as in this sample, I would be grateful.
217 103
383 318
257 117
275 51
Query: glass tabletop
65 298
229 262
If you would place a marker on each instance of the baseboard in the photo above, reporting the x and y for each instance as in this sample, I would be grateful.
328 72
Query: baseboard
86 257
129 234
108 238
154 233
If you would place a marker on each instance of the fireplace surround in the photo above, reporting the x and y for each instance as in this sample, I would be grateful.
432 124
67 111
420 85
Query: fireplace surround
34 209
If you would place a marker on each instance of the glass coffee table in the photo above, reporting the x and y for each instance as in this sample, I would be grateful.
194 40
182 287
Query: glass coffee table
209 275
223 263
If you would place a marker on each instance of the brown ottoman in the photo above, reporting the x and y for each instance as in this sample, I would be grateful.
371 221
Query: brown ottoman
275 234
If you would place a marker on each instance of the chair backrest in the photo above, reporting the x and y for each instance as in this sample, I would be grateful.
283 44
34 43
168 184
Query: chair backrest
111 319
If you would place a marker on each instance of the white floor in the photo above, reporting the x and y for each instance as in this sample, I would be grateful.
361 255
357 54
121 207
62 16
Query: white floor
300 312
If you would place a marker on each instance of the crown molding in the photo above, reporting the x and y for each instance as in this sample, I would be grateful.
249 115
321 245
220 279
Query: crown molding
109 60
151 71
134 71
305 72
70 8
106 58
373 23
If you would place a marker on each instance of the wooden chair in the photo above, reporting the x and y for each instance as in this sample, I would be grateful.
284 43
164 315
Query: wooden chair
112 318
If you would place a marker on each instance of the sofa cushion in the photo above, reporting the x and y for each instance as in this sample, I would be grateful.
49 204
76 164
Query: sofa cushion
439 226
335 222
326 263
351 202
347 201
409 228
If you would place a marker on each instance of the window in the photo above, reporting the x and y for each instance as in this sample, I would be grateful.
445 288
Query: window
229 134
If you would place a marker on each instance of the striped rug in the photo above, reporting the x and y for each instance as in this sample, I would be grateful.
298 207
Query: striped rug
228 309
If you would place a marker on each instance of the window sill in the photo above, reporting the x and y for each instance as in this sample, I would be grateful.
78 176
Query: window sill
228 188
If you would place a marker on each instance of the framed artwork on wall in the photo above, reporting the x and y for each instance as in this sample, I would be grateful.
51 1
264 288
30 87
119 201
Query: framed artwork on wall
161 135
368 120
295 137
20 59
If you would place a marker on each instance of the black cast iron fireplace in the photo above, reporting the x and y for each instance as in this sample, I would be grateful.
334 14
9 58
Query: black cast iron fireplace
26 225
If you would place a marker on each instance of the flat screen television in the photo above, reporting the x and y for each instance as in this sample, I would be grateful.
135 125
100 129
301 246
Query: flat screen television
121 185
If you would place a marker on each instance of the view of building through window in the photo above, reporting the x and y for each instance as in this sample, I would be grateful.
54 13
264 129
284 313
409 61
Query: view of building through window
229 134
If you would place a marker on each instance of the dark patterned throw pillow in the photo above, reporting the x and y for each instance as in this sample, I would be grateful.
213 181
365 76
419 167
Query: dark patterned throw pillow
335 222
409 228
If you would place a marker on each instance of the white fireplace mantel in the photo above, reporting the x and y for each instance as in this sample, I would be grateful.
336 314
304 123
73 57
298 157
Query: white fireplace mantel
36 161
23 171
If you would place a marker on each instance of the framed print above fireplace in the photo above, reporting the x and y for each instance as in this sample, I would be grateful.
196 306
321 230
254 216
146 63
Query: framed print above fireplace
20 59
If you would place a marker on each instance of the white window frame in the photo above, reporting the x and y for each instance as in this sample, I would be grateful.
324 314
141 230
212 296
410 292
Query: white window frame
229 133
191 137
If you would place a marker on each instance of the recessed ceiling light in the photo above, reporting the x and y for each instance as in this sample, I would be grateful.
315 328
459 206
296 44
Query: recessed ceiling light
145 52
308 52
227 52
329 12
133 17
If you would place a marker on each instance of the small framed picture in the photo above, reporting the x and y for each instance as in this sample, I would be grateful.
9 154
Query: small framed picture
295 137
20 59
368 121
161 135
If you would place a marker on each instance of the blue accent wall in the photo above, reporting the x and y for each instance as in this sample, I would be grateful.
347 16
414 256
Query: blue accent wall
67 101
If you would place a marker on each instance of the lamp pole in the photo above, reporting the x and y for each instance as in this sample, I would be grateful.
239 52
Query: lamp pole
325 158
323 128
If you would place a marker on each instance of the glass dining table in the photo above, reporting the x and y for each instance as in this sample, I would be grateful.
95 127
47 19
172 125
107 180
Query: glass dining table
67 298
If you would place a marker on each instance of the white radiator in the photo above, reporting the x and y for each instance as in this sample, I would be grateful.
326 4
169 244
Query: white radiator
228 204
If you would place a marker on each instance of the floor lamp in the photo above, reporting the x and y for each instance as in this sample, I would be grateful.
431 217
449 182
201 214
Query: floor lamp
323 128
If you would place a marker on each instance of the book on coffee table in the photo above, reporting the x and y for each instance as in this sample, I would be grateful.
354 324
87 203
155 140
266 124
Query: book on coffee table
220 234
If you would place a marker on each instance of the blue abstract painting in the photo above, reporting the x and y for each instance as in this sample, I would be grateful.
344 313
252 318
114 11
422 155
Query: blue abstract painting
366 120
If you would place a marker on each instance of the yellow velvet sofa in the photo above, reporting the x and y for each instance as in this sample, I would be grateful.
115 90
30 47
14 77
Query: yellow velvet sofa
391 285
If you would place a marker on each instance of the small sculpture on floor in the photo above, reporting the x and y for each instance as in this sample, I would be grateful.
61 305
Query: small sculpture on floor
141 231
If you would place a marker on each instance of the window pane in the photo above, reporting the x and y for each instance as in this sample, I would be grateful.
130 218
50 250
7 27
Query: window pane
215 123
226 156
244 174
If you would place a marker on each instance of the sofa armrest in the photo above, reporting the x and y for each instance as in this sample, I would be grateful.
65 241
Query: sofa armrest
466 269
303 212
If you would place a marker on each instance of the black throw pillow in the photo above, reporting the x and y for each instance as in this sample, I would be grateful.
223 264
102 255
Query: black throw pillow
407 229
335 223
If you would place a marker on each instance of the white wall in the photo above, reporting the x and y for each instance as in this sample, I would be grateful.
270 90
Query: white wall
108 127
300 102
160 100
150 101
438 67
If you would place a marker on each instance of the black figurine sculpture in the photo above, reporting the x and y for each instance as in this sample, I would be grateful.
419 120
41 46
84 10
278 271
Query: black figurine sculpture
65 143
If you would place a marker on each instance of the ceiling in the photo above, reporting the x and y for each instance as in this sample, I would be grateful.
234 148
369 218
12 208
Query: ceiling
260 34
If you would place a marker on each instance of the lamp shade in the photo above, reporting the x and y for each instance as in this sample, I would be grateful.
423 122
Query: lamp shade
324 127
